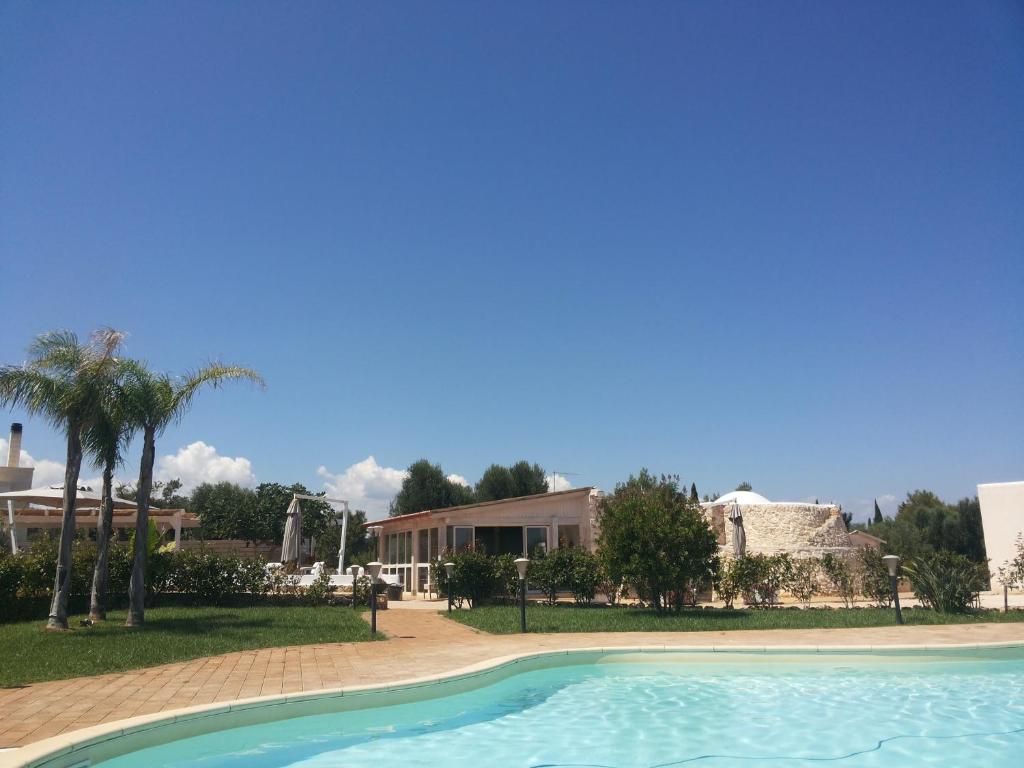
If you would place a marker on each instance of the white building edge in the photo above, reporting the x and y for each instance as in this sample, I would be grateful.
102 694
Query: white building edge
1002 519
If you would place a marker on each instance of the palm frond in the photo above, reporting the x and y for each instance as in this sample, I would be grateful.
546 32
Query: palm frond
213 375
39 393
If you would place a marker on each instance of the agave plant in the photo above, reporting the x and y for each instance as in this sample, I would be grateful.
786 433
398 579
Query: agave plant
944 581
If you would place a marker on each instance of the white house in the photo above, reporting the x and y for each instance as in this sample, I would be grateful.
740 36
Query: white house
407 544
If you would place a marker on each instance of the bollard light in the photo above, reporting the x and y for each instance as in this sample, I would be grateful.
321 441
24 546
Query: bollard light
521 565
449 569
892 562
374 570
354 570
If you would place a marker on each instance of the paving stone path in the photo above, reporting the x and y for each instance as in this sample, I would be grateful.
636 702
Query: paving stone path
420 643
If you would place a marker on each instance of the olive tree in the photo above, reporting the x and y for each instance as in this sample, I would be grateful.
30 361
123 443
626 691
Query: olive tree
655 536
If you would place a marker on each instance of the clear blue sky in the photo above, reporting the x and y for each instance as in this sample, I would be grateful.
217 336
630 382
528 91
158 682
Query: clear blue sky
777 242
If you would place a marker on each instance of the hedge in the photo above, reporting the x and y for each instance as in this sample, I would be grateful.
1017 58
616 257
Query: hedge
173 577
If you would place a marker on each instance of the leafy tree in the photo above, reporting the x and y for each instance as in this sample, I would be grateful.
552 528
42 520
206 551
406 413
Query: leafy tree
358 544
153 401
228 511
521 479
847 519
655 537
272 500
744 486
495 483
925 524
528 479
161 495
878 514
66 382
426 487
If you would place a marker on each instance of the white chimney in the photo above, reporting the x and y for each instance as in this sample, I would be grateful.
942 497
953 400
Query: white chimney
14 448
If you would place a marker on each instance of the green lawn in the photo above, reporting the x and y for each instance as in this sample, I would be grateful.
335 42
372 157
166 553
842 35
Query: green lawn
568 618
28 653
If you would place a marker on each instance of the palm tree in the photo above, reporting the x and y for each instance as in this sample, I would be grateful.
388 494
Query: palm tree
154 401
64 381
105 441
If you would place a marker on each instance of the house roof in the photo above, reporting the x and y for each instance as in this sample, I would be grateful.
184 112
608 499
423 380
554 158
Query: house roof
742 497
866 535
479 505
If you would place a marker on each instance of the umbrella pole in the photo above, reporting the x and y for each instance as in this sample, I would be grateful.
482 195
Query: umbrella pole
10 520
344 535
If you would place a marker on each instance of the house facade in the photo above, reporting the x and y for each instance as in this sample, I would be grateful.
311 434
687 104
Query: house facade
407 544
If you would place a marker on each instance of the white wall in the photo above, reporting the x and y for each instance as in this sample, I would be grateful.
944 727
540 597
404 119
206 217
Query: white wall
1002 518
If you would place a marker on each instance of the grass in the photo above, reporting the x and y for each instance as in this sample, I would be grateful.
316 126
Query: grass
502 620
31 654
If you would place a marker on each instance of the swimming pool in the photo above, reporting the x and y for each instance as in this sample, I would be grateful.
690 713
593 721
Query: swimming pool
654 710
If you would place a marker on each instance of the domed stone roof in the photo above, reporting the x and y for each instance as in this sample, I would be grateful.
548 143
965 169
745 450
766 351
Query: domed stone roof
741 498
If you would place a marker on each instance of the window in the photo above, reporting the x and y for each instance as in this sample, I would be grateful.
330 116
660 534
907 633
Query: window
463 538
433 544
568 535
536 540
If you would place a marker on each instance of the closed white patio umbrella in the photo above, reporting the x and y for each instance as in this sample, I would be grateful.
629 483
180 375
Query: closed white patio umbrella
290 546
739 536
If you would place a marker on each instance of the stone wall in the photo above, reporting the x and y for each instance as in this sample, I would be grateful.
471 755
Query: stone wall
237 547
802 530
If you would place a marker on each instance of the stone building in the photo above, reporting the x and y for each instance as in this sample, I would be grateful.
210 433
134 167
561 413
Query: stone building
800 529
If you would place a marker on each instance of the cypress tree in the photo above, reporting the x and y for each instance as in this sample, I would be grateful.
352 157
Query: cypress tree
878 513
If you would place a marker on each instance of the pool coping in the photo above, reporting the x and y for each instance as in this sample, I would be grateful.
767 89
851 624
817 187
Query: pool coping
72 749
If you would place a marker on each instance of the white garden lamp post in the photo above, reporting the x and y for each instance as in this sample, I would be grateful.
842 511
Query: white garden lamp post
374 570
354 570
892 562
521 565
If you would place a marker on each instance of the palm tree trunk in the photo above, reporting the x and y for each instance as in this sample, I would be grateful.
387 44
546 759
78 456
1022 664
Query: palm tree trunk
58 618
100 574
137 588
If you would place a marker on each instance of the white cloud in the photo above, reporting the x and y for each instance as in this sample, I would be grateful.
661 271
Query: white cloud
460 480
558 483
366 485
199 463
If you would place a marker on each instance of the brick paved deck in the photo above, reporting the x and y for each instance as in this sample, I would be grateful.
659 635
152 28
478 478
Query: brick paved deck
420 643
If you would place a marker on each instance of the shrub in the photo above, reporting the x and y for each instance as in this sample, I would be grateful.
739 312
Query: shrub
545 573
203 578
474 579
874 577
1011 573
656 538
727 583
321 591
840 576
803 582
582 572
945 581
760 578
506 577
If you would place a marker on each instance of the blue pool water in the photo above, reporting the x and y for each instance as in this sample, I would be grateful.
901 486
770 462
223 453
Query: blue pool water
664 710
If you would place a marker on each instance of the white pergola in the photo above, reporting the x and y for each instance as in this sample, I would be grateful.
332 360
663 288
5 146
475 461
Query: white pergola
344 523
